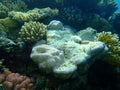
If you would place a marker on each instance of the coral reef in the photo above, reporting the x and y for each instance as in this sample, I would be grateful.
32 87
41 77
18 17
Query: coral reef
78 54
55 25
15 81
6 44
3 11
72 16
80 20
47 57
84 5
87 34
107 7
99 23
114 19
113 43
11 27
24 17
33 15
2 67
79 57
60 35
58 56
45 12
16 5
9 24
33 31
10 5
3 31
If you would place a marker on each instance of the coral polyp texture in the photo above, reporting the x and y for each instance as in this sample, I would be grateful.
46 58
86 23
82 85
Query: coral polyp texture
15 81
66 53
33 15
47 57
32 31
24 17
16 5
113 43
45 12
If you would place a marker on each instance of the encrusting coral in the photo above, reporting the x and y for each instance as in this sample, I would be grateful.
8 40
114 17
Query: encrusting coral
15 81
32 31
113 43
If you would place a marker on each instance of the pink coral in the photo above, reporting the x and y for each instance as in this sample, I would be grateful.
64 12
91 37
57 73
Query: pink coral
15 81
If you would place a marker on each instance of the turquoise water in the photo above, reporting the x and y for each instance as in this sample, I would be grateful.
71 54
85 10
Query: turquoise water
118 5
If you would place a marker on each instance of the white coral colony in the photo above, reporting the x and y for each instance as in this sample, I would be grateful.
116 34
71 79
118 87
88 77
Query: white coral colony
66 53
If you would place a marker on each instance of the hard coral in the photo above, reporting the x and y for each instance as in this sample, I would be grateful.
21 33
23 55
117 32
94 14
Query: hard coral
15 81
33 15
11 5
45 13
3 10
113 43
24 17
16 5
33 31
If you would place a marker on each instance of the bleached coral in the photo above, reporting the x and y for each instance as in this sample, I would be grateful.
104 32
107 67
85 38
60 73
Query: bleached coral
64 65
78 54
87 34
55 25
47 57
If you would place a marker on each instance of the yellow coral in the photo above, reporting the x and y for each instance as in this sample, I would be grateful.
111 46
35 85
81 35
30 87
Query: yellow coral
33 15
24 17
113 43
45 12
15 5
32 31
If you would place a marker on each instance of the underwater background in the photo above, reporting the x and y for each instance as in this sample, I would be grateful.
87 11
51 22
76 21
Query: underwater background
118 2
59 45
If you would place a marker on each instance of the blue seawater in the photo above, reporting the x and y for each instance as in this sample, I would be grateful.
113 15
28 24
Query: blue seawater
118 1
